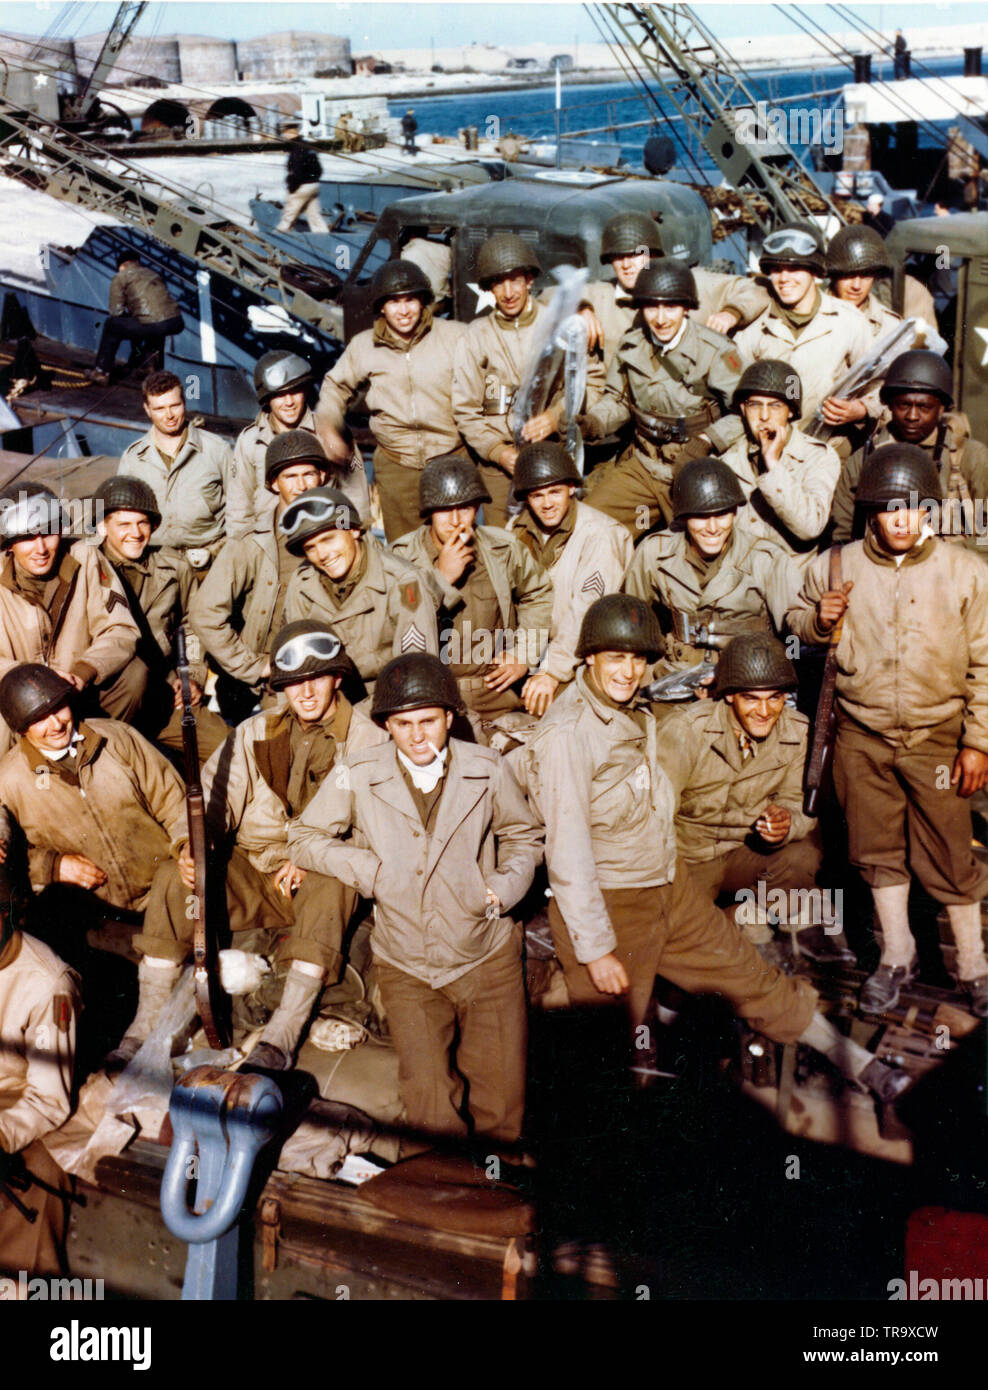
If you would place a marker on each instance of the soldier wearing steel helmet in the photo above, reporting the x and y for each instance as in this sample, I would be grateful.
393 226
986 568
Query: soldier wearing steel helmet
62 604
274 765
624 905
917 395
240 604
912 712
491 362
674 379
375 602
282 384
707 579
126 513
820 336
585 552
405 365
858 261
736 763
787 476
494 600
439 836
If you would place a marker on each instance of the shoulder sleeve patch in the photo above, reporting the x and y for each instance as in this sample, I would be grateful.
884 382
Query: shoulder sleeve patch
410 593
62 1012
731 360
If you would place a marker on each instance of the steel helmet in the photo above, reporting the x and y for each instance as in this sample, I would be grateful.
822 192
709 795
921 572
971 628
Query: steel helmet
415 680
291 447
399 277
798 244
125 494
704 487
30 509
666 282
770 377
502 254
541 465
919 370
451 480
628 233
620 623
318 510
31 692
754 661
306 649
858 250
279 372
897 476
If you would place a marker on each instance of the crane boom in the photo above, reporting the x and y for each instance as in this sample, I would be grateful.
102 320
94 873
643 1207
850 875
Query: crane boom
46 157
687 63
79 107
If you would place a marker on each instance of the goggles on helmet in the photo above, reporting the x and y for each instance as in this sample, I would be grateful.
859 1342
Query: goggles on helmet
792 239
323 646
317 509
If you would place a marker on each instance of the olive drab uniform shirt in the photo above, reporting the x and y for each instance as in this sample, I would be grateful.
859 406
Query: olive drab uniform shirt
382 609
190 489
790 502
151 586
408 385
746 588
239 606
822 350
586 557
503 600
720 793
670 394
963 467
247 495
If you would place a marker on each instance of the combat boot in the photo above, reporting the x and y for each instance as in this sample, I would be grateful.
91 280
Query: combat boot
977 995
276 1046
155 982
880 992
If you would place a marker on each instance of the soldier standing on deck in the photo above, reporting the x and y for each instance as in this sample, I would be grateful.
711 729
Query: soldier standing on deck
674 379
912 713
405 364
281 381
491 361
494 599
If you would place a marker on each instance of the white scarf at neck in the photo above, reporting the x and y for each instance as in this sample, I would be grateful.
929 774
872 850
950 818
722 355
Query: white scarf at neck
426 778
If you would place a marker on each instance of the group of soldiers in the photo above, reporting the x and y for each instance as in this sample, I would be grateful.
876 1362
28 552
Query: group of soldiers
420 724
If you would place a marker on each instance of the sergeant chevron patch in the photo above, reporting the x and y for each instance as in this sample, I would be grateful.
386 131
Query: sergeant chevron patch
594 585
413 640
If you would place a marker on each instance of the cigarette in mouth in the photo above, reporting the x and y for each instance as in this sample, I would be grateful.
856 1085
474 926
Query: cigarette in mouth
435 750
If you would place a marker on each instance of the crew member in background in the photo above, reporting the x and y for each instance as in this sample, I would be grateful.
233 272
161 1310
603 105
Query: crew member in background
584 551
302 174
918 393
438 834
912 714
409 127
494 599
276 764
706 579
624 906
818 335
240 604
491 361
127 515
61 604
675 379
188 470
39 1002
405 365
787 476
376 604
282 381
142 312
736 764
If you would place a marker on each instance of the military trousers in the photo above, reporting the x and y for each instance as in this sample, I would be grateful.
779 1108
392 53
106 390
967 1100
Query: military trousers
147 701
36 1247
304 199
398 490
634 495
676 932
902 815
461 1044
788 868
314 919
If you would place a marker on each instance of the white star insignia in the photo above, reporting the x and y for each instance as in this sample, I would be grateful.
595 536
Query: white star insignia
413 640
983 334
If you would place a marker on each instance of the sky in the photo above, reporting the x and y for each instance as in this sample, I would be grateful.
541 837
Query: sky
370 24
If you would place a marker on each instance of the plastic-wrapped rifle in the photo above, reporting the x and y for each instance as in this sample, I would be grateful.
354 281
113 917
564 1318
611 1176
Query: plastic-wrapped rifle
824 729
203 945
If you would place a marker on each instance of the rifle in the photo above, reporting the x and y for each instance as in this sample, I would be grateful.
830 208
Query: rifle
826 722
203 947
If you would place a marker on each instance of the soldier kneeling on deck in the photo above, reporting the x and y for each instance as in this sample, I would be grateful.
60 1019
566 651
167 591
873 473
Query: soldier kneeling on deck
912 713
736 764
438 834
625 906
